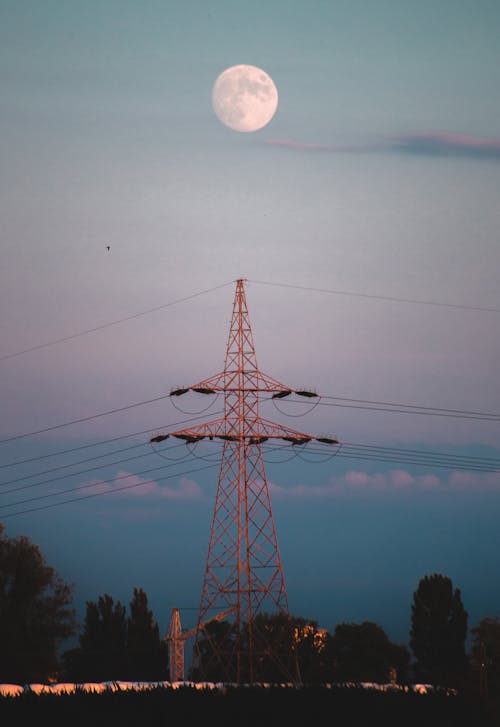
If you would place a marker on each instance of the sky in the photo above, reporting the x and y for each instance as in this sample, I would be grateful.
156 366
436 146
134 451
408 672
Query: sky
364 218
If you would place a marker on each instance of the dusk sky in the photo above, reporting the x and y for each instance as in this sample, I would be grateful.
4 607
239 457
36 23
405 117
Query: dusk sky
364 217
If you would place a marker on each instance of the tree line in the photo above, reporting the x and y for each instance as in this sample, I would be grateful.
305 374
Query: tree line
37 617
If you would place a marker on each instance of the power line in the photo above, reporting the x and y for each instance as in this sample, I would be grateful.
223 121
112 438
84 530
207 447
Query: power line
346 454
112 323
417 406
427 458
415 463
107 492
372 405
395 408
28 460
484 418
349 450
429 453
133 316
104 441
451 461
73 464
86 485
420 460
391 406
73 474
360 404
391 299
393 454
424 459
84 419
407 409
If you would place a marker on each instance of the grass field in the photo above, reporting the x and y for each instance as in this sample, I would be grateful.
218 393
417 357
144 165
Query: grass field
245 706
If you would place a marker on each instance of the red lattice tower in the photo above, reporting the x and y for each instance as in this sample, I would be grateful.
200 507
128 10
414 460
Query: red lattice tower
243 573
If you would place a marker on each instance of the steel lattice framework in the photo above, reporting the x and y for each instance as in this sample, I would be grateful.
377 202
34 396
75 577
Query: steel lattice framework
243 574
175 648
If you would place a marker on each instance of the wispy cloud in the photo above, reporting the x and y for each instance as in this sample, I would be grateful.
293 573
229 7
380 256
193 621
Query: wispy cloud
356 482
291 144
429 143
447 144
127 485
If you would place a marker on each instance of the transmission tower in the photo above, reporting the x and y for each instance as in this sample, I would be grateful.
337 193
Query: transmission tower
243 574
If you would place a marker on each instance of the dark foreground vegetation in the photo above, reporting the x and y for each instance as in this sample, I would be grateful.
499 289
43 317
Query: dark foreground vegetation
37 617
241 706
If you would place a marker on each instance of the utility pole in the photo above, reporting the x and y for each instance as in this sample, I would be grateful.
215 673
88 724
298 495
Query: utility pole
243 572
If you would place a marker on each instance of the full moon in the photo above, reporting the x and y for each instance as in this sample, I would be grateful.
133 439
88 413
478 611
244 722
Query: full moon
244 98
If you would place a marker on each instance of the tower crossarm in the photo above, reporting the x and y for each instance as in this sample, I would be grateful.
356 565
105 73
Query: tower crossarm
260 431
236 380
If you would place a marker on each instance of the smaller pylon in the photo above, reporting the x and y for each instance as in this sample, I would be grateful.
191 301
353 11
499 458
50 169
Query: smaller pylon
175 642
176 638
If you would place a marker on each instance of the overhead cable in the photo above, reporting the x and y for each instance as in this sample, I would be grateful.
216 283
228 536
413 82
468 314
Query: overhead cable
107 492
391 299
113 323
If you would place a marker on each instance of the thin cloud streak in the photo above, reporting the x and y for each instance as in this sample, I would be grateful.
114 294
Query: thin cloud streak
429 143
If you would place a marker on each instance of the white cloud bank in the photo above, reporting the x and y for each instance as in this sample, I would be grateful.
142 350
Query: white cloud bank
358 482
353 482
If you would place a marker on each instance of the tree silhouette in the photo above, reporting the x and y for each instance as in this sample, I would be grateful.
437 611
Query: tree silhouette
102 652
216 658
276 642
35 612
438 632
146 653
105 626
485 655
364 653
113 646
280 644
